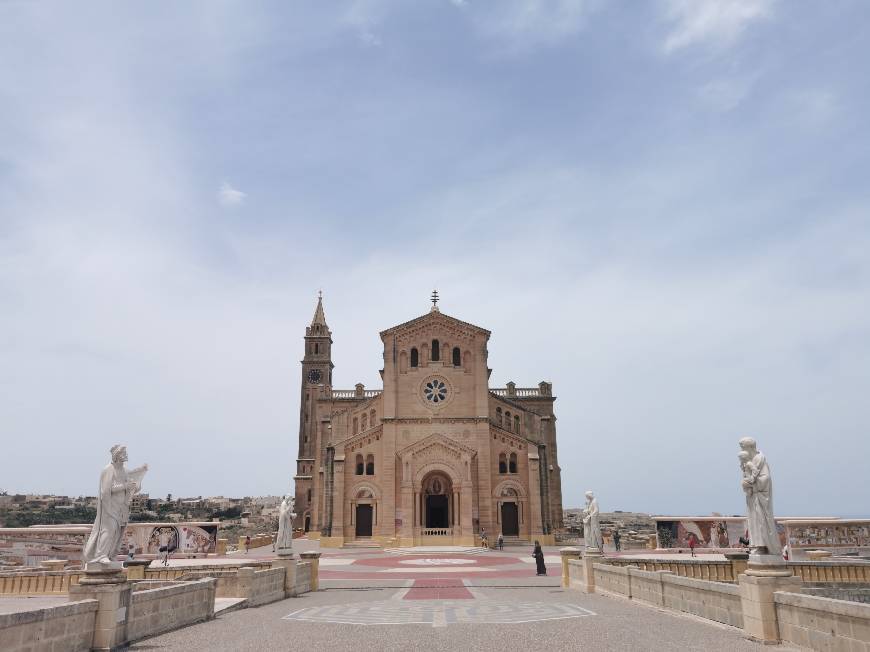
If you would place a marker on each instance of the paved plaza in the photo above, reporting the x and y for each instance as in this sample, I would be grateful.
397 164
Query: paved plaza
377 600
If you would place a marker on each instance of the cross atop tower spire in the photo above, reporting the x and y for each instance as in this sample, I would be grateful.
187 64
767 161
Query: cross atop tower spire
434 300
319 316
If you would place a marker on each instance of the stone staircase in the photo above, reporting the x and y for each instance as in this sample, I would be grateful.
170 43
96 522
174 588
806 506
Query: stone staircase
364 543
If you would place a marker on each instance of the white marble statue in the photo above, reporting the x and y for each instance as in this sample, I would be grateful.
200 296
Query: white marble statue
117 487
591 526
757 485
285 523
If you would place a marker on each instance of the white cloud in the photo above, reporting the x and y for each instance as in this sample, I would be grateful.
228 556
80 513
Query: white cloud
717 23
523 24
229 196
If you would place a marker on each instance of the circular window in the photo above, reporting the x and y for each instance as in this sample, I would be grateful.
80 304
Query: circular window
435 391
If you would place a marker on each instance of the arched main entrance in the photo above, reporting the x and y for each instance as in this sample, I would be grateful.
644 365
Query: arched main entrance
438 509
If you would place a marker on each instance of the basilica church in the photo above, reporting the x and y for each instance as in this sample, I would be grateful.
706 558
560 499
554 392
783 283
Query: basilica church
437 456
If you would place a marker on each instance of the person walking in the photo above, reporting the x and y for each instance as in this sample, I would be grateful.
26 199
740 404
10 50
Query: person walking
693 541
538 554
247 543
500 541
616 539
483 540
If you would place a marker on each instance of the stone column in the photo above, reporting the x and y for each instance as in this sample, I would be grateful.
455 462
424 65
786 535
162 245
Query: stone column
590 557
314 558
466 520
221 547
455 523
757 586
112 591
337 532
567 554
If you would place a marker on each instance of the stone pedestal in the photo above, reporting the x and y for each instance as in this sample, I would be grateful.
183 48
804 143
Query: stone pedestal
567 554
112 590
590 556
739 562
136 568
53 564
757 586
288 563
314 558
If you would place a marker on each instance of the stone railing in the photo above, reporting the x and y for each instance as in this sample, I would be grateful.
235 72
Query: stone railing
518 392
827 572
36 582
437 532
344 394
702 569
768 607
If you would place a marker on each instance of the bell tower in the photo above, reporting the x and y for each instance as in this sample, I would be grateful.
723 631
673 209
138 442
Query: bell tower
316 374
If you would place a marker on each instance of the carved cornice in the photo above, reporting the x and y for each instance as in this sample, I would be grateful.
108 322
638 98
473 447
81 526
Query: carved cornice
437 441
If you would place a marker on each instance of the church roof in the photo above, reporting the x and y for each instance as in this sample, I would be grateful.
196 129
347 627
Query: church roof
434 315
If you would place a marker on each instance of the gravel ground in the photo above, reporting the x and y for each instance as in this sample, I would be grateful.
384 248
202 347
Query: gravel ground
616 625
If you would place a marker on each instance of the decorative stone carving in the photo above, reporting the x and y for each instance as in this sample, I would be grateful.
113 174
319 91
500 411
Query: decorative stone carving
286 514
117 487
758 487
591 526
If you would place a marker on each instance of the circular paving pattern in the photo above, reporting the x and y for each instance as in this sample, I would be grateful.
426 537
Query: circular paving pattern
438 613
438 561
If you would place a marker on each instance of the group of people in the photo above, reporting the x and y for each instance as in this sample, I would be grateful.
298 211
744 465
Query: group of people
537 553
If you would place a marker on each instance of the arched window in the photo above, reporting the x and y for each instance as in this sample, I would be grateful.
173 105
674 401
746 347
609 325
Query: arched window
512 465
365 421
355 425
517 423
507 420
309 496
498 416
436 351
415 357
373 417
457 357
316 347
502 463
370 464
359 465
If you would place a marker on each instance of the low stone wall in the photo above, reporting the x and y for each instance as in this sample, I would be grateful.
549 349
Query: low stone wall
257 586
860 593
712 600
832 571
266 586
176 572
68 627
822 623
161 610
702 569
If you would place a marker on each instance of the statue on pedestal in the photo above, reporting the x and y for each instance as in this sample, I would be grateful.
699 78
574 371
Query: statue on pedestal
117 487
285 524
591 527
758 487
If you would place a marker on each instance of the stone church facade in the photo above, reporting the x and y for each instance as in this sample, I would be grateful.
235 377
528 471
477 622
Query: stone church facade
434 457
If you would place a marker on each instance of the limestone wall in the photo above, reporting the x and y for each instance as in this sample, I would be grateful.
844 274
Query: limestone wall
68 627
266 586
303 577
161 610
822 623
711 600
612 579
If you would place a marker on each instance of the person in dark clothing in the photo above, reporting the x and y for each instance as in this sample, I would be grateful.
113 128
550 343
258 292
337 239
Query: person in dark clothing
538 554
616 538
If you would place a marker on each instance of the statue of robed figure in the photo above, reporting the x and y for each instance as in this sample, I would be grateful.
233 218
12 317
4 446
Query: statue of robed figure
591 526
117 488
758 487
285 523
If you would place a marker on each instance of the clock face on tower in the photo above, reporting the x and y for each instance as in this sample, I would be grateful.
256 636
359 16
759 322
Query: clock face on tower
314 376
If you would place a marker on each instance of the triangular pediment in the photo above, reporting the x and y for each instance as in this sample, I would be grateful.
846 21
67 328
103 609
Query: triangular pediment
434 442
437 319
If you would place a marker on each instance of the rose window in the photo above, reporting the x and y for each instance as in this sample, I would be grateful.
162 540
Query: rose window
435 391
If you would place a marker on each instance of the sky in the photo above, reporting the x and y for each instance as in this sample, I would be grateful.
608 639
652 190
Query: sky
661 207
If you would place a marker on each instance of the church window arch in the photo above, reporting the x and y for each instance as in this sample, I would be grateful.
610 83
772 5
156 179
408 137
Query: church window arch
364 421
502 463
517 423
512 463
498 416
355 425
436 351
360 467
415 357
457 357
507 420
403 362
316 348
370 464
309 496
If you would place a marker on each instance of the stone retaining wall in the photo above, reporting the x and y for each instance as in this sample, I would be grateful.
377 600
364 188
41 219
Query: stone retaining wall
68 627
266 586
162 610
822 623
303 577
